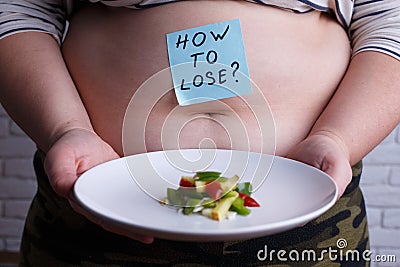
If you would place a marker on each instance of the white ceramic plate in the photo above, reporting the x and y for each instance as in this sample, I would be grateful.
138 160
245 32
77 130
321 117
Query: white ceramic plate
124 192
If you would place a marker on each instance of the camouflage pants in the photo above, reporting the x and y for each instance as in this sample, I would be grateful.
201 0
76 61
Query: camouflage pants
55 235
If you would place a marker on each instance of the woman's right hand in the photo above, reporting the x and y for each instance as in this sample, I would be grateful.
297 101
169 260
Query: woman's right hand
75 152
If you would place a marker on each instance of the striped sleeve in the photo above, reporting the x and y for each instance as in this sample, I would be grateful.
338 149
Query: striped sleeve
376 26
47 16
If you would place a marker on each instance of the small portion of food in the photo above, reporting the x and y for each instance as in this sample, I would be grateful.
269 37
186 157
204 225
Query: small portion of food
211 195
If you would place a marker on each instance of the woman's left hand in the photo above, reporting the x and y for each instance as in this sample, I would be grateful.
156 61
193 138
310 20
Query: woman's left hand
327 153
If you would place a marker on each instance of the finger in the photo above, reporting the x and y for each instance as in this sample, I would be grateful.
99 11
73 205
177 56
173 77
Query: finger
61 171
109 227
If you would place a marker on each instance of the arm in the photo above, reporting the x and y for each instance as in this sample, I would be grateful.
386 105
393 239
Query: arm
34 80
33 77
363 111
368 96
39 94
36 88
365 107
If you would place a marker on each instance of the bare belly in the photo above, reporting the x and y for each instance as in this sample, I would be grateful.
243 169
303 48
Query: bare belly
296 60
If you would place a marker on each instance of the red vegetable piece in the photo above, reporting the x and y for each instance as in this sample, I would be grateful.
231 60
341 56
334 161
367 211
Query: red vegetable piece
186 182
248 201
214 190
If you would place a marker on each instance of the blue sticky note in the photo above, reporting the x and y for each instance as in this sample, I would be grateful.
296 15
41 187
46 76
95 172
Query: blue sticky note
208 63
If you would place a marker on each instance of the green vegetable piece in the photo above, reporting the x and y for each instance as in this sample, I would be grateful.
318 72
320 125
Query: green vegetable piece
244 188
207 176
238 206
231 194
210 203
187 210
190 205
222 179
190 192
174 197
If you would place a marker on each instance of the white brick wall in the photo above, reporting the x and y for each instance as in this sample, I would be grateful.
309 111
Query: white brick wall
380 184
17 183
381 187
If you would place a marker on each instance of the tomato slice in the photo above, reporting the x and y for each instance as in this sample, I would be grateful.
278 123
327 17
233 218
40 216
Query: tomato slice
248 200
186 181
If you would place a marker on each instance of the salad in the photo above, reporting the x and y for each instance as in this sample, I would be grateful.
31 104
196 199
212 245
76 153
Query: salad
211 195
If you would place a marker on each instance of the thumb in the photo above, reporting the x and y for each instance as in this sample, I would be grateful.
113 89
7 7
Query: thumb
340 172
61 171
